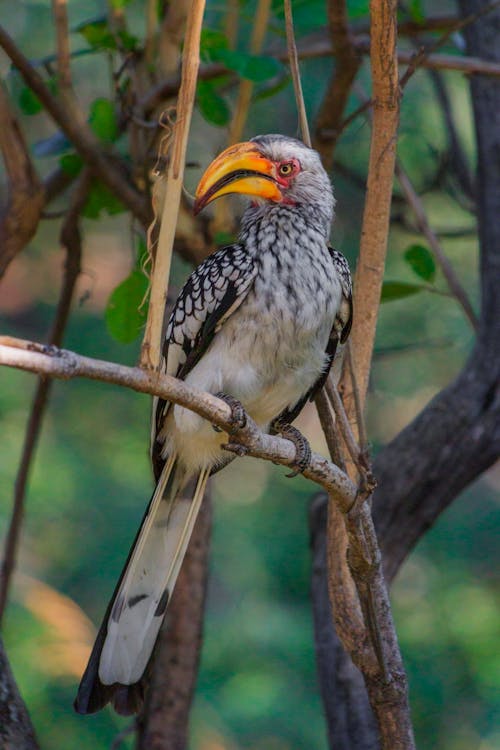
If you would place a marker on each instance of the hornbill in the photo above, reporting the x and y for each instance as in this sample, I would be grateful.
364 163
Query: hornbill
258 322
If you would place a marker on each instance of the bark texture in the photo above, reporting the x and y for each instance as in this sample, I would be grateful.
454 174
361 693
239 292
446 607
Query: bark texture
453 440
457 436
16 730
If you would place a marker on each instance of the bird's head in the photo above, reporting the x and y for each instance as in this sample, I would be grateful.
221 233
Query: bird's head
269 168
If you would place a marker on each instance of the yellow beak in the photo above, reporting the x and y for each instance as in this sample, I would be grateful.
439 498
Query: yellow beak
239 169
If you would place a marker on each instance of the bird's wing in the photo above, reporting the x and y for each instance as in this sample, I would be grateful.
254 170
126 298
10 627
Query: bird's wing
215 289
339 334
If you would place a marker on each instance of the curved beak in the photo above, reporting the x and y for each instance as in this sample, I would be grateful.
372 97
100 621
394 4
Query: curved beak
239 169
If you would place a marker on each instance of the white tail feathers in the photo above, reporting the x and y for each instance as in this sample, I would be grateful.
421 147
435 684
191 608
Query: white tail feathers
147 584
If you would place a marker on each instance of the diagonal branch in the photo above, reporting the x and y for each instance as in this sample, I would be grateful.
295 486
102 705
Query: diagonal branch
423 225
107 168
20 216
66 365
70 239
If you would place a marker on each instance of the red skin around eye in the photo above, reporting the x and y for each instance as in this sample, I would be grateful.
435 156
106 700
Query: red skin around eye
284 180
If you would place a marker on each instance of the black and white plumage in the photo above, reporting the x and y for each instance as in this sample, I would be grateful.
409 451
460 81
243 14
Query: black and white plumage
259 320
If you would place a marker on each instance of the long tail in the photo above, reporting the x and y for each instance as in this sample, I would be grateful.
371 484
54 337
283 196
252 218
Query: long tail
135 613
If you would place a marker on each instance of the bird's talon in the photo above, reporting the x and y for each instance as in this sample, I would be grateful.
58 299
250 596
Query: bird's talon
302 448
238 414
240 450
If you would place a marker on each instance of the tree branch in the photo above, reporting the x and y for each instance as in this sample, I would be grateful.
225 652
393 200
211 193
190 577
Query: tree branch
71 240
444 263
16 730
376 216
460 427
105 167
63 364
167 196
20 216
350 721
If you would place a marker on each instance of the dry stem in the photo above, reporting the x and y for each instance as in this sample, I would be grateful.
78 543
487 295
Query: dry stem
294 69
151 347
374 233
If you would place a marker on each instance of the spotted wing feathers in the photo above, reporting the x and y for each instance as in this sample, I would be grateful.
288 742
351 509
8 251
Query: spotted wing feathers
215 289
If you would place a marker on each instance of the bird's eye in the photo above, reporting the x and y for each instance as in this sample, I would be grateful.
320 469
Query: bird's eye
285 169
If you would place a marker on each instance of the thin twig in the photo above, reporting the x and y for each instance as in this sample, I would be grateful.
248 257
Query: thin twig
423 225
328 426
70 239
60 12
318 49
109 170
231 22
294 69
151 31
358 408
245 90
345 428
347 62
151 346
223 218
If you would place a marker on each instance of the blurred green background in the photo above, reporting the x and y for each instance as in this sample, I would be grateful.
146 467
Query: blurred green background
91 480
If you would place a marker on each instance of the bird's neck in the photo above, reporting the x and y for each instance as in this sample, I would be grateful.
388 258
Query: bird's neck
281 220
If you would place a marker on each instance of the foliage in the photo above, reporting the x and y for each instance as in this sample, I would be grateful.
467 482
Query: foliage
88 487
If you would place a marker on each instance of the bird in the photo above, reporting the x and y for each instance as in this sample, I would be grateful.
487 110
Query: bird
258 323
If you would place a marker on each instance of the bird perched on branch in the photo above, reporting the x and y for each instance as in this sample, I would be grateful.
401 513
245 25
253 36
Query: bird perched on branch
258 322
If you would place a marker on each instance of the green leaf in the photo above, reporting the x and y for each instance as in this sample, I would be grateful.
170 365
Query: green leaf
269 91
124 315
212 42
101 199
212 106
392 290
71 164
102 120
223 238
421 261
29 103
129 41
97 34
253 67
416 10
358 9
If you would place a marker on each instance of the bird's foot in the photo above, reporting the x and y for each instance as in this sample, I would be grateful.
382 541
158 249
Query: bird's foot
238 414
302 448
